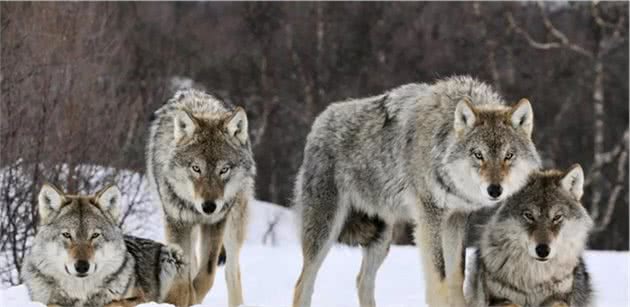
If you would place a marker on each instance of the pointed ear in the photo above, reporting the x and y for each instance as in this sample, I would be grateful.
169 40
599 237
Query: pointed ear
522 116
573 181
465 116
49 200
109 200
183 124
236 125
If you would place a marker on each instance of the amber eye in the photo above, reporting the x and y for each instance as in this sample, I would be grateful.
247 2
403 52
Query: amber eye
557 219
95 235
224 170
196 169
528 216
509 156
478 155
66 235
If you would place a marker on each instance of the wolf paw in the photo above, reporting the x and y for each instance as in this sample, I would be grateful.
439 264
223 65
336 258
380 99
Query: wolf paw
171 260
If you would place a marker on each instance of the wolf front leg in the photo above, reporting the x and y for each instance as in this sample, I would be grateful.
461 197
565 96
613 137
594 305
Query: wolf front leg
233 239
211 237
428 239
453 237
181 293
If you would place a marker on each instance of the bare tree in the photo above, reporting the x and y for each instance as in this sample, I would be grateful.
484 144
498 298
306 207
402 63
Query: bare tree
611 34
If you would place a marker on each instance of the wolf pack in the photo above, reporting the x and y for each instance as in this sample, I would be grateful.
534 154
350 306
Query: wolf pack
427 154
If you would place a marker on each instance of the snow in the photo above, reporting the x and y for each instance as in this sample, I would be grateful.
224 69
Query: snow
269 274
271 262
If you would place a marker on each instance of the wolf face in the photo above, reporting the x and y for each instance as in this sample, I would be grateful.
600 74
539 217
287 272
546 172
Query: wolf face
78 236
546 220
493 147
208 163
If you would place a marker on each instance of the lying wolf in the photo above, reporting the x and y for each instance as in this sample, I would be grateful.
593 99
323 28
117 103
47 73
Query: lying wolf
80 257
531 251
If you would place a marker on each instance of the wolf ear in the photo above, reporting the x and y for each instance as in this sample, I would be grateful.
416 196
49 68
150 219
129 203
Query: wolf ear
573 181
465 116
236 125
184 125
49 200
109 200
522 116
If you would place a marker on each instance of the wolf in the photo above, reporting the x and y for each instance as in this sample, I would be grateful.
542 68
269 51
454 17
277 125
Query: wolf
530 251
423 153
80 257
201 168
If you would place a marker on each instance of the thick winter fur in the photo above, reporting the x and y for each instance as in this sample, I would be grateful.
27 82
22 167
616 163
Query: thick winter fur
201 168
426 153
509 266
80 257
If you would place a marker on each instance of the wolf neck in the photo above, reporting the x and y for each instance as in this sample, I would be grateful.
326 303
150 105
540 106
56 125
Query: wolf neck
92 287
184 211
511 265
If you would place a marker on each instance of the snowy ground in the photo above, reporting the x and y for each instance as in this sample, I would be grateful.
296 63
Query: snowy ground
271 264
269 274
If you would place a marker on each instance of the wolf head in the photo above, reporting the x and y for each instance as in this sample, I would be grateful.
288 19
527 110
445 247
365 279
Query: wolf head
493 152
211 159
546 219
78 235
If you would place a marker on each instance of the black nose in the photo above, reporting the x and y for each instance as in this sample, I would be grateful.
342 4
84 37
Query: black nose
82 266
495 190
208 207
542 250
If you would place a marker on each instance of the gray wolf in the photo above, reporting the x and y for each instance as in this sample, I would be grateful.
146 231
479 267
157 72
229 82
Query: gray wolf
425 153
80 258
530 251
201 168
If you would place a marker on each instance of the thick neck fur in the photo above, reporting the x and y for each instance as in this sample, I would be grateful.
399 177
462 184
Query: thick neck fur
505 257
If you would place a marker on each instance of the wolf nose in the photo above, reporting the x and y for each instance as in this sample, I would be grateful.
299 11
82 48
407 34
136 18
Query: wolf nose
82 266
208 207
542 250
495 190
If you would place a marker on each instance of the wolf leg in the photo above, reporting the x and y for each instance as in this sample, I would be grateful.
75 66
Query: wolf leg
320 229
181 292
453 236
171 264
233 241
428 239
211 237
373 257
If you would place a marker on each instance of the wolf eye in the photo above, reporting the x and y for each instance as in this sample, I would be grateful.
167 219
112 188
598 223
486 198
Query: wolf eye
557 219
478 155
528 216
224 170
66 235
95 235
196 169
509 156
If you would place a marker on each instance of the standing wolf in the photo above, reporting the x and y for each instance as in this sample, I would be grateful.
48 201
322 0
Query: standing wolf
201 167
530 253
80 257
421 153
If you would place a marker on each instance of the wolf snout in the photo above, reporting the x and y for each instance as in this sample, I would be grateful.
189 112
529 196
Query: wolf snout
82 267
208 207
495 190
542 251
